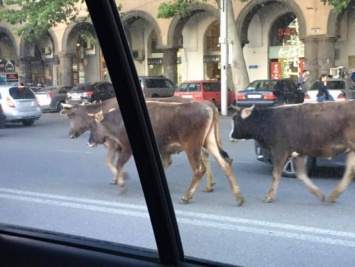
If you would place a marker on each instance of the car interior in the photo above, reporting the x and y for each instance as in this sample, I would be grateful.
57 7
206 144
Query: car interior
20 246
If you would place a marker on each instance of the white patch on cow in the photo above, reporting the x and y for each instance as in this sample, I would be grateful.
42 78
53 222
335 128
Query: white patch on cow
294 154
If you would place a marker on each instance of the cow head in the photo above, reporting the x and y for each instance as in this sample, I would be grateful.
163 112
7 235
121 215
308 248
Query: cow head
99 133
79 120
239 126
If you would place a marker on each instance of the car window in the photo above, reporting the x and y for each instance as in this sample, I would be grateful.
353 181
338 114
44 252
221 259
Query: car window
336 85
212 87
183 87
21 93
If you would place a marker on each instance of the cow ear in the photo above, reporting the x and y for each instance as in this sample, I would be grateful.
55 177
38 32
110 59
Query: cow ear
99 116
247 112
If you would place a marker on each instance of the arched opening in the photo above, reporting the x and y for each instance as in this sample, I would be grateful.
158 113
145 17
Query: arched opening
212 52
286 51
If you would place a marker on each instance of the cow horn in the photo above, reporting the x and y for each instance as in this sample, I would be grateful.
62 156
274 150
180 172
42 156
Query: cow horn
235 107
65 105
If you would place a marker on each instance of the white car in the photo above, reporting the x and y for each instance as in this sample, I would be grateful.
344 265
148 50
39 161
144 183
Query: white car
340 89
19 104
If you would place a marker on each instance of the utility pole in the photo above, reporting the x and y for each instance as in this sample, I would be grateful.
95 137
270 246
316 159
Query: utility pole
223 40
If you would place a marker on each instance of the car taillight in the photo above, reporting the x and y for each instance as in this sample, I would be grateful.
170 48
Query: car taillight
49 95
269 96
10 103
240 96
341 96
88 93
306 96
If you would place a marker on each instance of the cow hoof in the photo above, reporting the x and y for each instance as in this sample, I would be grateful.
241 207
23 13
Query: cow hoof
185 200
240 201
208 189
267 199
331 198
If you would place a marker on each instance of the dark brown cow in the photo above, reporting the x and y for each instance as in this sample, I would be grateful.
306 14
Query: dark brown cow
188 126
314 129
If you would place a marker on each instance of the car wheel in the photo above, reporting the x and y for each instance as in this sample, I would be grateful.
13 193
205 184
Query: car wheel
28 122
289 169
59 107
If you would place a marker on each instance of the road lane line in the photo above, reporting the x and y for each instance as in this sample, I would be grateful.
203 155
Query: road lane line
218 225
187 213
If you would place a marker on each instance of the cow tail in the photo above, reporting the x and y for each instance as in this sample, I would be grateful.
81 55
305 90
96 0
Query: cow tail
223 153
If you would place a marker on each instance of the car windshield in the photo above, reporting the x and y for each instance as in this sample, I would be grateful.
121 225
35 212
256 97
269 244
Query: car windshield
262 86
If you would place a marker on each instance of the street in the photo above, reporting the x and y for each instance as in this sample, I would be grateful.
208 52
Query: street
55 183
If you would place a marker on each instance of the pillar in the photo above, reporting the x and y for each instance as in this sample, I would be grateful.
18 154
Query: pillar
311 59
66 69
326 54
170 64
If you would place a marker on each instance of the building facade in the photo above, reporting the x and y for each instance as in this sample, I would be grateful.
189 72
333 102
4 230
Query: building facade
279 38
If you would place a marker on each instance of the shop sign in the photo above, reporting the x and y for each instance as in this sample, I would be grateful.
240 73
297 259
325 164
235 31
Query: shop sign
286 31
275 70
209 59
155 61
7 65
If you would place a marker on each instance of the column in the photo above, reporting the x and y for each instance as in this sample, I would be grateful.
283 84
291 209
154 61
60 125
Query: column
326 54
311 59
66 69
25 66
170 64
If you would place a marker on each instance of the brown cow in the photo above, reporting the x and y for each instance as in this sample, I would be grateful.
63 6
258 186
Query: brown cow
188 126
79 120
311 129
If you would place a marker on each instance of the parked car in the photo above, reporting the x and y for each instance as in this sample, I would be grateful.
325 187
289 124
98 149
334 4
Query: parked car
19 104
204 90
340 89
90 92
270 93
50 98
156 86
311 163
2 118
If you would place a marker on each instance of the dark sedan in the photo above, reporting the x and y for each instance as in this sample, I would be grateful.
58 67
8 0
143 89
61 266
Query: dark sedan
311 163
51 97
270 93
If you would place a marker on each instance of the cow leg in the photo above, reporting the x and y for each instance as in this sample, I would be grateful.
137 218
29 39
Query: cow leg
347 177
210 179
225 163
279 162
123 157
301 174
198 169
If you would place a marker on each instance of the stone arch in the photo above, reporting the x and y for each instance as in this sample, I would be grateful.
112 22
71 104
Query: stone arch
71 35
9 40
178 23
27 48
130 17
248 12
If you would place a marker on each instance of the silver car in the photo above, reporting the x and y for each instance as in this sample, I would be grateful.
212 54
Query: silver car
340 88
19 104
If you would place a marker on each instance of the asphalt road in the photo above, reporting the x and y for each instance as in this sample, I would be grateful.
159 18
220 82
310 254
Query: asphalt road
60 184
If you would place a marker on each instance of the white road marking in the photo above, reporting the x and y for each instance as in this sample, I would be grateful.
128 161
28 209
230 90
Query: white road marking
313 234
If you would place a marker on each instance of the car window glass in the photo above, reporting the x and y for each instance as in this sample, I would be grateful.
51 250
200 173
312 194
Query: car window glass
21 93
336 85
193 87
212 87
183 87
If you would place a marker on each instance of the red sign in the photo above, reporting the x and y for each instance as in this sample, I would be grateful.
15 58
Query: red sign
287 31
301 66
275 70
